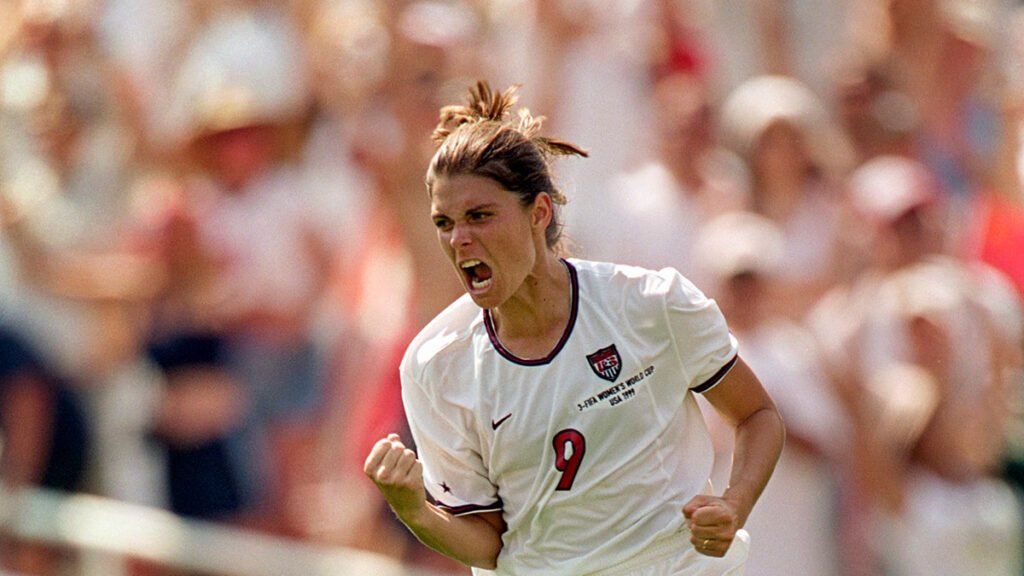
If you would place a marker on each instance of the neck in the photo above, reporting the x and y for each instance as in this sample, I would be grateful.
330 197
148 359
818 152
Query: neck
687 173
532 321
685 167
779 196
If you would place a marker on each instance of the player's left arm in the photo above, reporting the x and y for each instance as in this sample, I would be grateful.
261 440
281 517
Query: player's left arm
743 403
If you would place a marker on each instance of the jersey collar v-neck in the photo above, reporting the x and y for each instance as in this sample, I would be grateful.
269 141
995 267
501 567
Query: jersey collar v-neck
574 304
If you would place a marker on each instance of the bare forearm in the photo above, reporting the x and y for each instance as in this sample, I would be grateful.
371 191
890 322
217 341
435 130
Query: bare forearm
773 37
25 414
470 539
759 441
473 539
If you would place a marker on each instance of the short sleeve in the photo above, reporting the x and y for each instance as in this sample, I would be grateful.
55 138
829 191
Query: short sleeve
454 474
706 348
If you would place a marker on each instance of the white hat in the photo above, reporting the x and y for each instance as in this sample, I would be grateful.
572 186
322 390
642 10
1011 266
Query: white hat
886 187
244 67
757 104
971 20
738 242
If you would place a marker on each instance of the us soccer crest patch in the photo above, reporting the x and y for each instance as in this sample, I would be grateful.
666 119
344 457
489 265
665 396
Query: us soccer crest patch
606 363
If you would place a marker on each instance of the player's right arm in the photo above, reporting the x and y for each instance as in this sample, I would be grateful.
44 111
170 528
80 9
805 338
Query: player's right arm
474 539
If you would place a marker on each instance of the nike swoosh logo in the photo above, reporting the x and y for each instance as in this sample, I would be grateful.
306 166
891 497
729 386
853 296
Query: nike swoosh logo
496 423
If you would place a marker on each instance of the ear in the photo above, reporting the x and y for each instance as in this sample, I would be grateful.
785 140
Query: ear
542 211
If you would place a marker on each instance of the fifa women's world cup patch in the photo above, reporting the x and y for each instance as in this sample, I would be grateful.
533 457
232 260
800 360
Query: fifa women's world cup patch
607 364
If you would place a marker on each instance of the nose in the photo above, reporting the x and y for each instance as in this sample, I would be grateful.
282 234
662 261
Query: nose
460 235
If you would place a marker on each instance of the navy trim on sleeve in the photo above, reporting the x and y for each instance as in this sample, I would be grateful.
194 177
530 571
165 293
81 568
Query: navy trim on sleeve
710 382
466 508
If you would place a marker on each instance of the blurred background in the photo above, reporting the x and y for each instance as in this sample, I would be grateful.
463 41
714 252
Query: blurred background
215 245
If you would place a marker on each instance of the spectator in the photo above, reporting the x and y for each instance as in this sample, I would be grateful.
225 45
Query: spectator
740 252
44 439
197 422
660 206
928 417
796 158
68 162
241 94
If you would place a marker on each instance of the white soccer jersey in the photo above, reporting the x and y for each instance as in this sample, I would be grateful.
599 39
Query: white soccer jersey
590 452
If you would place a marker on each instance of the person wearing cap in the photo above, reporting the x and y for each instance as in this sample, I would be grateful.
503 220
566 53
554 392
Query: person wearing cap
921 348
740 253
796 158
241 96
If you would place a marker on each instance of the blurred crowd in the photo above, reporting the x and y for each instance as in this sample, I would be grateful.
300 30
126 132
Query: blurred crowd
215 246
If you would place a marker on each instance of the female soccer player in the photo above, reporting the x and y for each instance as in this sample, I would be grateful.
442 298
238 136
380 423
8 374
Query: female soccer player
553 405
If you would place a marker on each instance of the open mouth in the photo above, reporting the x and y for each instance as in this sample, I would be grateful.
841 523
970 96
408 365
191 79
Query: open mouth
478 274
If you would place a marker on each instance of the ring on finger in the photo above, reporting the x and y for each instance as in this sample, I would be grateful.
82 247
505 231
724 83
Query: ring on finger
705 543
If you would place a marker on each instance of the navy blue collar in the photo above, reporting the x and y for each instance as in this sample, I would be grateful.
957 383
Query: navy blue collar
574 306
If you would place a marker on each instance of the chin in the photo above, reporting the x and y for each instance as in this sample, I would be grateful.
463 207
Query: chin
482 302
486 300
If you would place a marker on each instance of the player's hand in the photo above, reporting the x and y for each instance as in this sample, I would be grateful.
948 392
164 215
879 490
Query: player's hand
397 473
713 524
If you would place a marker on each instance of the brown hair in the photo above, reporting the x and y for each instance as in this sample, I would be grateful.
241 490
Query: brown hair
482 138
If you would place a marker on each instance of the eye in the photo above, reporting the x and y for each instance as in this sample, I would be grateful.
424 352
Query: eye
443 223
477 216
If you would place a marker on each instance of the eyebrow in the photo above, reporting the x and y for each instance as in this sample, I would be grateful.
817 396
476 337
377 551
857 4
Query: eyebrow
475 208
482 207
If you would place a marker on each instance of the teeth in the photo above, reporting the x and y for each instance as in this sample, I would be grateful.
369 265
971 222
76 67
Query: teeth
475 283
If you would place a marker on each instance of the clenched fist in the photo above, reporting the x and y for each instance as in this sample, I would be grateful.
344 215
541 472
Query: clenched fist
713 524
397 473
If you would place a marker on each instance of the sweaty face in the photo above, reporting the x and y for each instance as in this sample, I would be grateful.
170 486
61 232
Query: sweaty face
491 239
